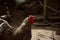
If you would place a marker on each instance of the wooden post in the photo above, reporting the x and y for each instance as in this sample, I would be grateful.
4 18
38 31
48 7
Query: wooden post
45 10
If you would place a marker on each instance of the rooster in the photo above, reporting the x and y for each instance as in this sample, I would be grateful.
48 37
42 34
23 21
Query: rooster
23 32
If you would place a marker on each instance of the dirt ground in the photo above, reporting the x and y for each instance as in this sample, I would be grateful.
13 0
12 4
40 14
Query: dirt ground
44 34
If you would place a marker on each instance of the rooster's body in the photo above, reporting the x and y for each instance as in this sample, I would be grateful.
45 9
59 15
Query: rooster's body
23 32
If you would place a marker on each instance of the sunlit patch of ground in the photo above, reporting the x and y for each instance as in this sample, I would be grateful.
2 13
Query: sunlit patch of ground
43 34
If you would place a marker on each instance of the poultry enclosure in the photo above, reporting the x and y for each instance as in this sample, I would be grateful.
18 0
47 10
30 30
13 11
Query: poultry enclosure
46 12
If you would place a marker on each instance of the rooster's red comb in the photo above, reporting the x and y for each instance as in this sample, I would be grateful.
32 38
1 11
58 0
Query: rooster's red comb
31 19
